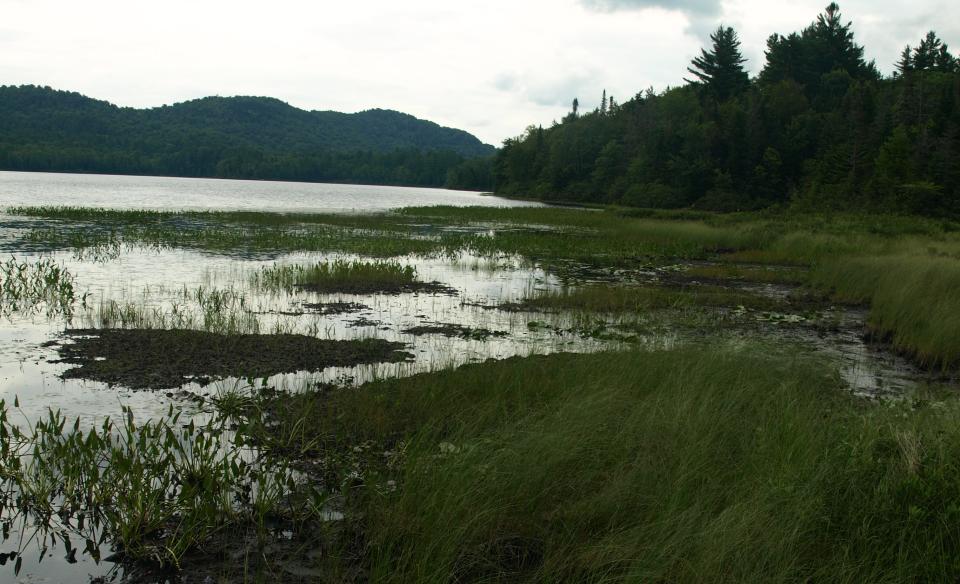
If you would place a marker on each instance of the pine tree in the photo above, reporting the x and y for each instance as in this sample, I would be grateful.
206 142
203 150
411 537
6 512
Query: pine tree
839 48
603 103
945 61
721 69
576 106
925 55
905 64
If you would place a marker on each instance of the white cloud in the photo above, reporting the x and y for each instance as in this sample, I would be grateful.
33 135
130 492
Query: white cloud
490 67
694 6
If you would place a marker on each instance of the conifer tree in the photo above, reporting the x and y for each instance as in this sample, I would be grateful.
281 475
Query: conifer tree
720 70
925 56
905 64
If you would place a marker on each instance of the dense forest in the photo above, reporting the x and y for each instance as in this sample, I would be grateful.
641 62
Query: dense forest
819 127
42 129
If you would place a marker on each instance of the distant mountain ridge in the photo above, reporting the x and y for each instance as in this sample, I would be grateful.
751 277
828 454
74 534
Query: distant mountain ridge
236 137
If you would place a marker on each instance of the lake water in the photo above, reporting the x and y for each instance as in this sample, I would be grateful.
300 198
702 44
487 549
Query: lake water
202 194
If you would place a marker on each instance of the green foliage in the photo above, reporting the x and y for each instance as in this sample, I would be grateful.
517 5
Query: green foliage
157 490
239 137
475 174
41 284
912 297
721 68
338 276
634 467
818 129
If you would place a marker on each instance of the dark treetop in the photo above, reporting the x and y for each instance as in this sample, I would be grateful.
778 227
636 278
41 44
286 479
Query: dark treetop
819 128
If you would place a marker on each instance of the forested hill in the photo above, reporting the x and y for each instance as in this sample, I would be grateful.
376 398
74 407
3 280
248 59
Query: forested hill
818 128
42 129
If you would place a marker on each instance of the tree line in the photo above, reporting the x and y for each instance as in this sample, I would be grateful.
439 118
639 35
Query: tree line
818 128
42 129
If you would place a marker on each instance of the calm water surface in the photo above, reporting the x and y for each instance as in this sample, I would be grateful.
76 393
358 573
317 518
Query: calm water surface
203 194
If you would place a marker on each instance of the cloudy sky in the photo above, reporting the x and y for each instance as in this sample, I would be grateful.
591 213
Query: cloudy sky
491 67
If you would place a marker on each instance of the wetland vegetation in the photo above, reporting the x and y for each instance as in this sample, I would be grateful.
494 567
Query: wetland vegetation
710 425
740 362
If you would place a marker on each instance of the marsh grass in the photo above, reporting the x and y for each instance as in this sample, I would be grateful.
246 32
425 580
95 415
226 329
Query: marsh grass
336 274
341 276
687 465
639 299
42 284
599 236
726 272
914 300
223 311
556 238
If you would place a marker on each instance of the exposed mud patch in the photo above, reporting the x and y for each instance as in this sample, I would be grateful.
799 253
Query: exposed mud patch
454 330
363 321
379 287
333 308
161 359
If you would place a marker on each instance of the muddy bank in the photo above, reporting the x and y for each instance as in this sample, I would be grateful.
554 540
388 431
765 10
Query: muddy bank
452 330
378 287
161 359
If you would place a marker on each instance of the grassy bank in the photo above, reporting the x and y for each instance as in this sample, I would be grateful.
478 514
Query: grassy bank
691 465
914 300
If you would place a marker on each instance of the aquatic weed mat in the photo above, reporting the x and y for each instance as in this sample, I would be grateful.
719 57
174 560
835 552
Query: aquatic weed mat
161 359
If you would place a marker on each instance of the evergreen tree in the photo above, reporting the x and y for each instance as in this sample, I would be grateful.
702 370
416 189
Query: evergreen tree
945 62
925 56
839 50
932 54
905 64
826 46
720 70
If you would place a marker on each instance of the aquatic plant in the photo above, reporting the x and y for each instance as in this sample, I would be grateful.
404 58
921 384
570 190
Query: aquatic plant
222 311
155 491
356 277
42 284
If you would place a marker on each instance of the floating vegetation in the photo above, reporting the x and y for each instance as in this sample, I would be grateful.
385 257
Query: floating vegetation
158 359
36 286
347 277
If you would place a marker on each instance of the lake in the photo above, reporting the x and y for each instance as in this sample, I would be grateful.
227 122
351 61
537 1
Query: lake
202 194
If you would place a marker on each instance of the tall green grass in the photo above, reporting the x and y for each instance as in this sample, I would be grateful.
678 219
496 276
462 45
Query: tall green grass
914 299
705 465
338 276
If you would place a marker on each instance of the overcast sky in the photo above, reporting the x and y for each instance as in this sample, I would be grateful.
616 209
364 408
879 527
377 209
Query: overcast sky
491 67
